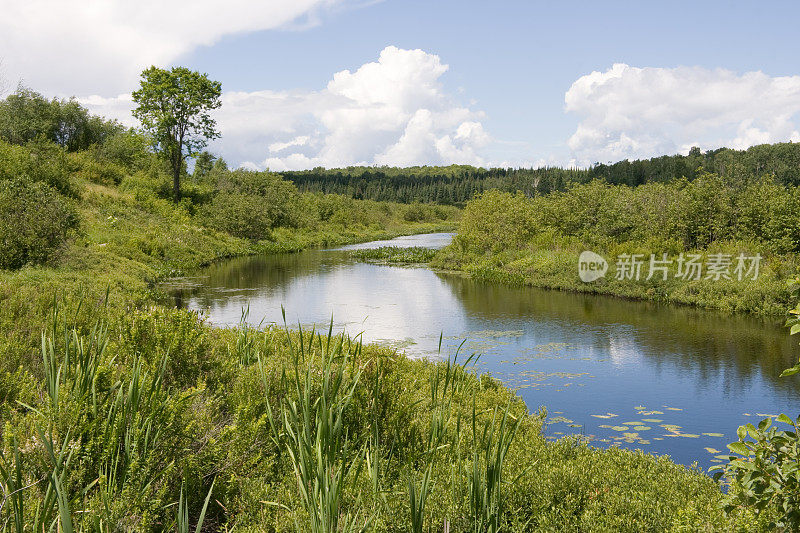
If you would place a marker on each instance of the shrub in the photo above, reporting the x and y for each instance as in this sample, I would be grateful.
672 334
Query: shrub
764 472
241 215
39 161
495 221
128 149
415 213
249 204
34 222
86 166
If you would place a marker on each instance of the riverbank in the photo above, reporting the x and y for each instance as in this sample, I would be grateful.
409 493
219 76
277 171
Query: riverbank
128 243
557 269
514 240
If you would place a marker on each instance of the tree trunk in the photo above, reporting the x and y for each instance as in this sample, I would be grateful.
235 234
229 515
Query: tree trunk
176 180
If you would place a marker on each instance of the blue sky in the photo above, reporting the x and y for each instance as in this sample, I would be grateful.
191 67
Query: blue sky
707 73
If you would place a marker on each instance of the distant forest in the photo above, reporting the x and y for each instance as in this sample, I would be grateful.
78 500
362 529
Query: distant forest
456 184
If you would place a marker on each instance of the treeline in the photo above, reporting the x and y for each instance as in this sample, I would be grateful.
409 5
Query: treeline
454 184
710 211
457 184
26 116
781 161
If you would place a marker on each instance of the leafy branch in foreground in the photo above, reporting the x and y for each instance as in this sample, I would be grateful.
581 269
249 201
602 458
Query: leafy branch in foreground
764 472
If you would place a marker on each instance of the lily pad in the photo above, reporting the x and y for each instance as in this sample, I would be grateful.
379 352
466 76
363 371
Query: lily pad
641 428
713 434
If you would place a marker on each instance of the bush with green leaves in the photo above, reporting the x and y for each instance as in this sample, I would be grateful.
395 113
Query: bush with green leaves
249 204
415 213
86 166
764 472
241 215
496 221
34 222
695 214
37 161
128 149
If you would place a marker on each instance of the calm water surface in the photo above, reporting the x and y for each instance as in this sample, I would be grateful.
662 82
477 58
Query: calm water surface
668 380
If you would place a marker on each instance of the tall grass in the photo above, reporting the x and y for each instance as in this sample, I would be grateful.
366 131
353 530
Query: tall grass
365 440
120 421
182 519
491 445
310 426
445 382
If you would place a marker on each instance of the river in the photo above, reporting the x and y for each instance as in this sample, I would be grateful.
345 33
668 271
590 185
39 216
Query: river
665 379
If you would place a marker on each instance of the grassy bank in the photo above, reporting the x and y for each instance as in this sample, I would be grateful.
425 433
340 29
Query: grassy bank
153 407
537 241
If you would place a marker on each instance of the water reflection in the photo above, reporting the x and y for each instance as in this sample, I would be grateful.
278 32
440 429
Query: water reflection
596 362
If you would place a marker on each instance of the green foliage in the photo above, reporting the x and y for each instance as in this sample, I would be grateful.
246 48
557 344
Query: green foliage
457 184
496 221
34 222
109 440
203 165
311 428
36 214
38 161
764 474
127 149
414 213
793 322
136 417
174 108
249 204
486 482
241 215
537 241
26 116
87 167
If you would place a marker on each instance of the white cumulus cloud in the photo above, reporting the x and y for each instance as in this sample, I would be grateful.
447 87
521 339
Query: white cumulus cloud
100 46
393 111
630 112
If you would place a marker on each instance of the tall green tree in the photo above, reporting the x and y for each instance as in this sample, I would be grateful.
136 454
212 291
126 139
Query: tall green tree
174 107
